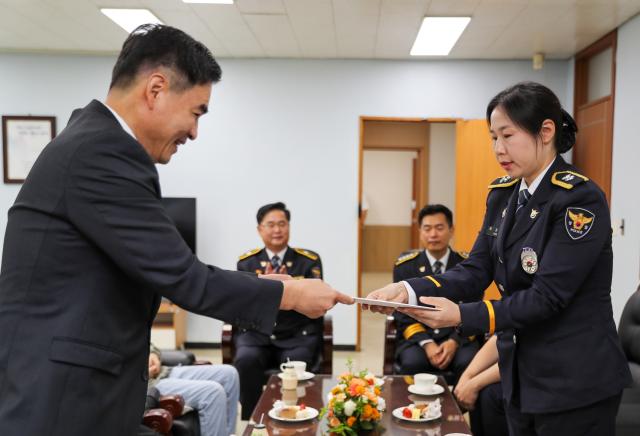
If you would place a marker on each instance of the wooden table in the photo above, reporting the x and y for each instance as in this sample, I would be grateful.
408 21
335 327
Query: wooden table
314 393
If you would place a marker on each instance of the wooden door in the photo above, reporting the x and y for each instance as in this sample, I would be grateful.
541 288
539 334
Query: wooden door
476 167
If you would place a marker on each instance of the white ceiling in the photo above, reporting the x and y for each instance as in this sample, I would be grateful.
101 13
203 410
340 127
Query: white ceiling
354 29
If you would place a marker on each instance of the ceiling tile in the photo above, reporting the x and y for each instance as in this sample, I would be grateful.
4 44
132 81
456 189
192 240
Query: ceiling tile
398 27
261 6
275 34
356 24
312 22
230 28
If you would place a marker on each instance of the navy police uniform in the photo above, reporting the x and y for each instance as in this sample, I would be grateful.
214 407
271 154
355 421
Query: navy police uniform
294 336
559 353
409 353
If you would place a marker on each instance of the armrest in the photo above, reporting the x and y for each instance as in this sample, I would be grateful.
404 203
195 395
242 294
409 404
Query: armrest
158 420
327 345
173 404
227 346
389 345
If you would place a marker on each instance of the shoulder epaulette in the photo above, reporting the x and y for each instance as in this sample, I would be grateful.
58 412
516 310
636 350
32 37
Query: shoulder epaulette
250 253
306 253
406 256
503 182
567 179
463 254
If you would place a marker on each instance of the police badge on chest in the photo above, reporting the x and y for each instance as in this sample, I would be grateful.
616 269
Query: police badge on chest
529 260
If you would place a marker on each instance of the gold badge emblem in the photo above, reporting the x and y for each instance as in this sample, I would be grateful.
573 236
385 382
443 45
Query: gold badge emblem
578 222
534 213
258 271
289 264
529 260
263 263
422 268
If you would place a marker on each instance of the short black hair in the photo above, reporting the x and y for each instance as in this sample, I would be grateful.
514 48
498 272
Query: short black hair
273 206
528 104
432 209
154 45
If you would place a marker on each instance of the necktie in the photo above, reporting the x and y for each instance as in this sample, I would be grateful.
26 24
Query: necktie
275 262
523 198
437 267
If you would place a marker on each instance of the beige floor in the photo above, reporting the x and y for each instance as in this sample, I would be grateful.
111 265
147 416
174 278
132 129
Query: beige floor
371 353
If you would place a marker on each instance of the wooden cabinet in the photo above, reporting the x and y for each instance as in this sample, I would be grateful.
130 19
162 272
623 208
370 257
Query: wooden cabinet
170 326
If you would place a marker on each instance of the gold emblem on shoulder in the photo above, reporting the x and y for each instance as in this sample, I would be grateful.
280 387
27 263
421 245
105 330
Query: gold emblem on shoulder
250 253
306 253
406 257
422 268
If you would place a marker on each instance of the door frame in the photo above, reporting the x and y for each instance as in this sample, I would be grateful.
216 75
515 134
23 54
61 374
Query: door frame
417 188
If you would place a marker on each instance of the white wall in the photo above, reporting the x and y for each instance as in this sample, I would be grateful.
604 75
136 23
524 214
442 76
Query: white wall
278 130
442 165
626 161
387 181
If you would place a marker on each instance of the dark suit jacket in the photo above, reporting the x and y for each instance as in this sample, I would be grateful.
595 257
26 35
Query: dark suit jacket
411 264
557 341
300 263
88 252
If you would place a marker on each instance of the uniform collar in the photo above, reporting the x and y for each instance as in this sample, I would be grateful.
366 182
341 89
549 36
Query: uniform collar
536 181
444 259
280 254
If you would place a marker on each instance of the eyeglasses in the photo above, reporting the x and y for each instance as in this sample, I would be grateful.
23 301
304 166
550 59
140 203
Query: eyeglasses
271 225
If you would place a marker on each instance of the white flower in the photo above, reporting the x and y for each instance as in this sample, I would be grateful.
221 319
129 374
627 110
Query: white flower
349 408
329 396
381 404
341 397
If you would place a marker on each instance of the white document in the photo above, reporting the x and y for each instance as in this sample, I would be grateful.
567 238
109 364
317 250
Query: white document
371 302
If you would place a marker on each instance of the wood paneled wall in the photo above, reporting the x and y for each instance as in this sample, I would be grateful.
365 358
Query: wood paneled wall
381 246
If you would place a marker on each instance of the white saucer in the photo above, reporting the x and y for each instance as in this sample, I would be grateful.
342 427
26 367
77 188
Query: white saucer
432 390
398 414
306 376
273 414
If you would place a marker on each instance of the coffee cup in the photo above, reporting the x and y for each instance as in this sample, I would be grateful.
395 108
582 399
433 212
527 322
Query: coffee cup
299 366
424 381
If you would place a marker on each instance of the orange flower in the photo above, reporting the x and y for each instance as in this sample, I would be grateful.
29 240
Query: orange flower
334 422
360 390
351 421
367 412
376 390
375 415
336 390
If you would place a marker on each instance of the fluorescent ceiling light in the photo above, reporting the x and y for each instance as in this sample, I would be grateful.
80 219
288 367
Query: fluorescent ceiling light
129 19
214 2
438 35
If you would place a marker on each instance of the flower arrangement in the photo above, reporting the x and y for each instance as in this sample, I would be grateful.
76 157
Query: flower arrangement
354 404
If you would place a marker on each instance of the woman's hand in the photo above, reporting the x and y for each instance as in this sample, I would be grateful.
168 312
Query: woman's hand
466 393
395 292
447 316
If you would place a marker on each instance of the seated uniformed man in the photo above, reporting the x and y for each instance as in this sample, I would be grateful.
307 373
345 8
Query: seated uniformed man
420 348
295 336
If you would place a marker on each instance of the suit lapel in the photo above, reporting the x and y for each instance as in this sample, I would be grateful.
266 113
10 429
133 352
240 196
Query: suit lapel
289 256
453 257
525 220
507 222
423 260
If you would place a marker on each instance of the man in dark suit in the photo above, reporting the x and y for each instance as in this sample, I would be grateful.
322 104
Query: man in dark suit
89 251
295 336
421 348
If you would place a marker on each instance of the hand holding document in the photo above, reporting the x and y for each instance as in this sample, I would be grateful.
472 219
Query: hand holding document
392 293
311 297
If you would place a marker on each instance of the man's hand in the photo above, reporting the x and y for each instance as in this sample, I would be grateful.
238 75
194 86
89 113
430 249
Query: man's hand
392 292
311 297
446 353
278 277
447 316
466 393
154 365
431 349
280 271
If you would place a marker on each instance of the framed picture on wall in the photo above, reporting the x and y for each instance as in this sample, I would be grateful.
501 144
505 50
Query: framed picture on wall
23 138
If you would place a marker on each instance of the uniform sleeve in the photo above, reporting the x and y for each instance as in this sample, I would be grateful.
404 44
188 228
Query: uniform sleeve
110 198
467 280
409 328
566 263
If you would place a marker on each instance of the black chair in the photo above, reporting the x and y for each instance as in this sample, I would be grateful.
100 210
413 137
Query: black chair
323 363
391 365
628 419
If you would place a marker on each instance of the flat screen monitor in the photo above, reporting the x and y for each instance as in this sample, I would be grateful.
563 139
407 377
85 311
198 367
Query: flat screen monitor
182 210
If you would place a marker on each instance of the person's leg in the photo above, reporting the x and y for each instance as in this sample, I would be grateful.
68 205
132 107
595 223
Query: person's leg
488 418
302 348
593 420
462 358
413 360
518 423
207 397
225 375
251 363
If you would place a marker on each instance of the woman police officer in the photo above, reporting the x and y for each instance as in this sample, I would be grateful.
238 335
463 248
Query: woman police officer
546 242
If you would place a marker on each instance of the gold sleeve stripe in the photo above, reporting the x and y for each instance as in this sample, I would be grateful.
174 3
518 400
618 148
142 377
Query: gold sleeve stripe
437 283
413 329
492 317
